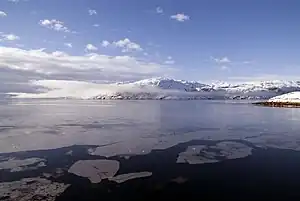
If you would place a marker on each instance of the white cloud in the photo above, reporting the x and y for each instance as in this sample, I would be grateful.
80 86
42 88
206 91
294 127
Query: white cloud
11 37
16 1
8 37
20 45
19 66
127 45
169 61
90 48
96 25
68 45
222 60
224 68
180 17
159 10
59 54
54 24
247 62
105 43
92 12
3 14
225 61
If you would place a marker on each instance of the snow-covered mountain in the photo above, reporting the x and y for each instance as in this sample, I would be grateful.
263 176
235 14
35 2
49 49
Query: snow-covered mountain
160 88
167 83
293 97
181 89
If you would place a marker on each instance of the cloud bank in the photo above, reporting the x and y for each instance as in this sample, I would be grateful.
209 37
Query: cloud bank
19 66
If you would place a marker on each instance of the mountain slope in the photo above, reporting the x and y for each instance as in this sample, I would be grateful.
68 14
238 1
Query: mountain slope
159 88
293 97
181 89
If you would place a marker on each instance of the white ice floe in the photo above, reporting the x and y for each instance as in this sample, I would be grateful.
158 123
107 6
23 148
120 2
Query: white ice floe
211 154
95 170
135 147
31 189
192 156
125 177
233 150
17 165
282 142
293 97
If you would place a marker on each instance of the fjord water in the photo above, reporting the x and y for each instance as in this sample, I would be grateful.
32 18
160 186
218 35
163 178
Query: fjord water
187 148
44 124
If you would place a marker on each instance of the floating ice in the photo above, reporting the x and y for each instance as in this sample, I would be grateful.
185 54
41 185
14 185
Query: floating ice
30 189
192 156
95 170
15 165
211 154
125 177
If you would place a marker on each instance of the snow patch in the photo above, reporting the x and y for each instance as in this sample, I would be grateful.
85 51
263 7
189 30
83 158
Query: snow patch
293 97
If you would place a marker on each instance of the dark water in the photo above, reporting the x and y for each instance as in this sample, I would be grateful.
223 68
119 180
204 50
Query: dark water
149 136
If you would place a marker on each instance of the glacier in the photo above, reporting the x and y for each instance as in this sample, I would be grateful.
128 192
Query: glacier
159 89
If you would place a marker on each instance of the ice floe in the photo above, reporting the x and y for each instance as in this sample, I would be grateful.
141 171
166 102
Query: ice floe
95 170
16 165
125 177
200 154
31 189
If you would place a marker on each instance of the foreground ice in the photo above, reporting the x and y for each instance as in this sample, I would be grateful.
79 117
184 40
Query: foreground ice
211 154
15 165
125 177
95 170
31 189
192 155
136 147
293 97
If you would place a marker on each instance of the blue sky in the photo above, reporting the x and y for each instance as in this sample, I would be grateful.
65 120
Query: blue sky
193 39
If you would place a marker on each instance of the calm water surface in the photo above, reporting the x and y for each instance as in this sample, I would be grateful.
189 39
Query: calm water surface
35 125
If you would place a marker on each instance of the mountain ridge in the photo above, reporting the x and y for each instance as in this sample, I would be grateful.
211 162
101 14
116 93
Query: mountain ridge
160 88
217 90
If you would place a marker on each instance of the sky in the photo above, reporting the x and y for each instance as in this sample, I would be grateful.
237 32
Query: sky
121 40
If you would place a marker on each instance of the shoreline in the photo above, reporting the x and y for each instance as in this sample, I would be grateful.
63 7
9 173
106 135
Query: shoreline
278 104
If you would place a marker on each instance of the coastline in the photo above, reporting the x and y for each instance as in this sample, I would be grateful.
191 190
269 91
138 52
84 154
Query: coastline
278 104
